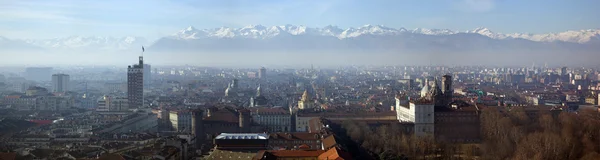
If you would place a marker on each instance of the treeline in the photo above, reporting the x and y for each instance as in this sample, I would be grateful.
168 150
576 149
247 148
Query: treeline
512 134
545 135
395 142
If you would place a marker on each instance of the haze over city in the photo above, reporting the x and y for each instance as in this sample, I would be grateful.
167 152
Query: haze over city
299 79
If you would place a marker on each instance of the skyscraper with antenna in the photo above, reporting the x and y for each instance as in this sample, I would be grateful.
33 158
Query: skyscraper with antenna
135 83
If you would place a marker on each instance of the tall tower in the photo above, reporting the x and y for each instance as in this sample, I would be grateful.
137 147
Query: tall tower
436 94
262 73
198 127
135 84
244 120
446 84
447 90
60 83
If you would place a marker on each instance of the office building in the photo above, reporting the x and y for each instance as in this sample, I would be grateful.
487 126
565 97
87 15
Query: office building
60 83
181 121
262 73
135 84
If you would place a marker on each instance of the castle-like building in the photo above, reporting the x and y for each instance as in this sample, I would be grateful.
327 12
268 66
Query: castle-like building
436 114
441 97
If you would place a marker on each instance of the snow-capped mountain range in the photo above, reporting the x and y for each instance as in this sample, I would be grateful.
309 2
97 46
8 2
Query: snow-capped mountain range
263 32
72 42
288 34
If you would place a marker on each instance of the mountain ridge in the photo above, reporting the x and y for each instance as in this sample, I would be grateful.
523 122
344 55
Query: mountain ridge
190 36
262 32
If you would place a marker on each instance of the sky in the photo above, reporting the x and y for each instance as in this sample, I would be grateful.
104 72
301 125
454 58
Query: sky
38 19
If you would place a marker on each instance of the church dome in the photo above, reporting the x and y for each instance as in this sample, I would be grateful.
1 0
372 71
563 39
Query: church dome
305 96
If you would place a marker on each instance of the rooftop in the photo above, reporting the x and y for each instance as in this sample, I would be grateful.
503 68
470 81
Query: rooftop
222 154
335 153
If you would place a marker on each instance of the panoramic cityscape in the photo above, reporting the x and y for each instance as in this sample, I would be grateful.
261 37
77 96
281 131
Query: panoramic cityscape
182 80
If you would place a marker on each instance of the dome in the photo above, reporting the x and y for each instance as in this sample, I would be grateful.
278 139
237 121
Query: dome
305 96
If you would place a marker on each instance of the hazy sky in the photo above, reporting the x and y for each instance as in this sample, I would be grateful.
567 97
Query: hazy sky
156 18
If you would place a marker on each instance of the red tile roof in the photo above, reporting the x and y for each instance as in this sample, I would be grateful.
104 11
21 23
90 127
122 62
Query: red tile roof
330 141
335 154
12 97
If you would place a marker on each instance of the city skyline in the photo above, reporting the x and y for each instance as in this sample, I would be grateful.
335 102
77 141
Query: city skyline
155 19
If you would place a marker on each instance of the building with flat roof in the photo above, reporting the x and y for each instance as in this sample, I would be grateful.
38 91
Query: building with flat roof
135 84
60 82
242 141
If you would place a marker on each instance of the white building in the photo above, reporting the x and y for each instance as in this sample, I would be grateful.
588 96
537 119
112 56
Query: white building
103 104
275 119
420 112
181 121
302 123
109 103
60 83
